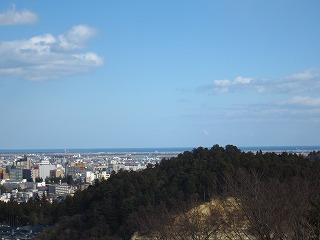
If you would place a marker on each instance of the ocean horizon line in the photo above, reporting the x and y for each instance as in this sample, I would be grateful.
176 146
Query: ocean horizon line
156 149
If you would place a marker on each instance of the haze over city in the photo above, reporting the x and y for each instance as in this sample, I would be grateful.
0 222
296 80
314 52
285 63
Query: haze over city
80 74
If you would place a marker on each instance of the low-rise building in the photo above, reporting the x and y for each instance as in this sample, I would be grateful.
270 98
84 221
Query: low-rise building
61 189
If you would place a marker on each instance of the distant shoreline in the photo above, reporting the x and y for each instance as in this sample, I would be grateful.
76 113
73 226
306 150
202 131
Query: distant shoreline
296 149
281 148
96 150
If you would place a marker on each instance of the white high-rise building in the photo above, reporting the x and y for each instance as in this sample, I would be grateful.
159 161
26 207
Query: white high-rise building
44 169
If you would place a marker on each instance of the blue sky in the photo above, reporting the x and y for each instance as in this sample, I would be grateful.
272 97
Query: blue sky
170 73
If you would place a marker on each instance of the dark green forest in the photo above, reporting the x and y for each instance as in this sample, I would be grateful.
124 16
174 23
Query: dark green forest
274 196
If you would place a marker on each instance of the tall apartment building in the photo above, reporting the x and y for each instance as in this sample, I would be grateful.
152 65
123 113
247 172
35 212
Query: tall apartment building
76 169
15 173
35 172
4 174
114 166
23 163
44 169
56 173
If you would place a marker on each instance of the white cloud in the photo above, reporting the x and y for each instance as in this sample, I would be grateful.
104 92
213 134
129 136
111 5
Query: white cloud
293 98
296 83
225 85
90 57
46 56
243 80
236 82
304 101
306 75
222 83
13 17
300 82
76 37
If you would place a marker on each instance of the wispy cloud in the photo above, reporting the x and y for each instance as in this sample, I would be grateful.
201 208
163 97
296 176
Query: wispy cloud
47 56
225 85
76 37
290 98
304 76
13 17
303 101
255 113
300 82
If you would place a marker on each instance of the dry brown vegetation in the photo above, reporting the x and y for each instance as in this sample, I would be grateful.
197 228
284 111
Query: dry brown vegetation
254 209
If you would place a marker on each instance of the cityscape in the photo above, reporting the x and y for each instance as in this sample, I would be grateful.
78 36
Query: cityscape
159 120
57 175
54 175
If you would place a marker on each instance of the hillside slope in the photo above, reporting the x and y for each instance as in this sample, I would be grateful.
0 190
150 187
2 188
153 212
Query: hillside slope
274 195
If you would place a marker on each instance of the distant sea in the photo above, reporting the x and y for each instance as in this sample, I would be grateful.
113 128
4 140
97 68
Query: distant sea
153 150
282 148
95 150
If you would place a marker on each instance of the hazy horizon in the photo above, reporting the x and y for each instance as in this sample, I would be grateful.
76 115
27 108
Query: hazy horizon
156 149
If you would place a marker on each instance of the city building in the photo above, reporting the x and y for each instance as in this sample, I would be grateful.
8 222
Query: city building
57 173
35 172
62 189
75 171
23 163
4 174
26 174
15 174
44 169
114 166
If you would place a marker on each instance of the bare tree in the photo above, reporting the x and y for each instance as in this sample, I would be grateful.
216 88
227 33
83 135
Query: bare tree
187 221
270 208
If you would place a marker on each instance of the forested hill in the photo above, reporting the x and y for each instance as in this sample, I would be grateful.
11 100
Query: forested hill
286 185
